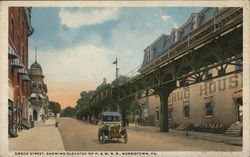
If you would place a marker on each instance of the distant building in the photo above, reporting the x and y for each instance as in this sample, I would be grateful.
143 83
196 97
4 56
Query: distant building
213 101
18 103
38 97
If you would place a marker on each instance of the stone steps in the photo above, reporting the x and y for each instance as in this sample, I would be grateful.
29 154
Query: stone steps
234 130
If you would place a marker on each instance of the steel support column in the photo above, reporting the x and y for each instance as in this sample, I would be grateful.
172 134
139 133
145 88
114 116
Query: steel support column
164 93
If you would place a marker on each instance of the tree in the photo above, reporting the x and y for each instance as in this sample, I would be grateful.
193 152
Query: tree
68 112
55 107
135 109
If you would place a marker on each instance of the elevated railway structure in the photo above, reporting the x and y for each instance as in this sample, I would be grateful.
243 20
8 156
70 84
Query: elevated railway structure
215 44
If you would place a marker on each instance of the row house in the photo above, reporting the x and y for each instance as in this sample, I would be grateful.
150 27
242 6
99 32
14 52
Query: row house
19 82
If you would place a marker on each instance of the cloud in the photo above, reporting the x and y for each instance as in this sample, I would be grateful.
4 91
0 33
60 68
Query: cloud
83 17
165 17
69 71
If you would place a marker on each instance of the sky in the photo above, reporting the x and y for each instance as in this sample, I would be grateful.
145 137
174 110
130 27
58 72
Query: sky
77 46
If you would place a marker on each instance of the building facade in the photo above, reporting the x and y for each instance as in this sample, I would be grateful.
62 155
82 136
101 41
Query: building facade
215 100
38 97
18 103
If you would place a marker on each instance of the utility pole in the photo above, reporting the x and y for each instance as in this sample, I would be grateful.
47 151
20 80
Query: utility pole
116 68
116 76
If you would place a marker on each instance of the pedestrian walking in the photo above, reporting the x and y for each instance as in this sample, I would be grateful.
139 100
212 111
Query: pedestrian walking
127 122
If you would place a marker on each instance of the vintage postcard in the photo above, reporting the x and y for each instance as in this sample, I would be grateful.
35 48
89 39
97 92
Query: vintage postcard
124 78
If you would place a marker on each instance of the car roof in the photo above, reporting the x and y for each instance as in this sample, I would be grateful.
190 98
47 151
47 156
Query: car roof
111 114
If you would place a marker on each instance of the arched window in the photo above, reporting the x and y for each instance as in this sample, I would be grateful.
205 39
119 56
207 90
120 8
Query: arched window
194 23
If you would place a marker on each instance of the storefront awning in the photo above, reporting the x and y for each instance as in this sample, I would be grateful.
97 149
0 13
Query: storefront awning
11 53
41 96
26 78
33 95
16 64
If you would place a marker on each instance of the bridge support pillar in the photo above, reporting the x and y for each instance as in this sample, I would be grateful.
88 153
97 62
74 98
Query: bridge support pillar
164 121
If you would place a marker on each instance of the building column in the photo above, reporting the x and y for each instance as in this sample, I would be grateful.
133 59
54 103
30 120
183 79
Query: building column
164 93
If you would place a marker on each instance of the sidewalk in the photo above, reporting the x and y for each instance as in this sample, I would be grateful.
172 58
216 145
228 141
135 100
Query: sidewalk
43 137
192 134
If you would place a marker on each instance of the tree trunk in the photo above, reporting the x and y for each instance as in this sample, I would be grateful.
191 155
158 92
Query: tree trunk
124 117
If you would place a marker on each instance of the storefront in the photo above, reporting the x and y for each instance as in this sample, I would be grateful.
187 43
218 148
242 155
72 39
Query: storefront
237 98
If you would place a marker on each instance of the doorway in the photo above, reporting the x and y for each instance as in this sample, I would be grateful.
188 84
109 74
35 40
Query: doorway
34 115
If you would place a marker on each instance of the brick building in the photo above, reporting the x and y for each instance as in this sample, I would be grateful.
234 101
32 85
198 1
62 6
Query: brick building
19 30
213 101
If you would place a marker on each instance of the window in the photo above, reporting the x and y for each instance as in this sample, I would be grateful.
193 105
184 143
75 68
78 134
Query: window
186 109
39 85
208 74
23 56
145 112
18 44
194 23
157 115
149 56
209 106
33 84
183 82
23 29
18 14
221 71
175 37
150 53
12 30
238 64
170 111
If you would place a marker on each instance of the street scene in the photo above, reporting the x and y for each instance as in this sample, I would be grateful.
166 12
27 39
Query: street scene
125 79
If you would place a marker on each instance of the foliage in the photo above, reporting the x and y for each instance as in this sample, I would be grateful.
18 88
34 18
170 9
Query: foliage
119 81
135 108
68 112
82 108
55 107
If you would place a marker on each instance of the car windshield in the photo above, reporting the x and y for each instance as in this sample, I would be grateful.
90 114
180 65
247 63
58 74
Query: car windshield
111 118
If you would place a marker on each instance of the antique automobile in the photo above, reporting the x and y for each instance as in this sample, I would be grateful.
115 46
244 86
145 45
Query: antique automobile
112 128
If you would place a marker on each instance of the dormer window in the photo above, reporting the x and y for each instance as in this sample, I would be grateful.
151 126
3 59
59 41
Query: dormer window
175 39
194 23
150 53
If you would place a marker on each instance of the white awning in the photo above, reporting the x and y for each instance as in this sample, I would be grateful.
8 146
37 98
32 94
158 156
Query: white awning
41 96
33 95
11 93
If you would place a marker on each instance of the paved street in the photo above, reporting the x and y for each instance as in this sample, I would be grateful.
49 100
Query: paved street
82 136
43 137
